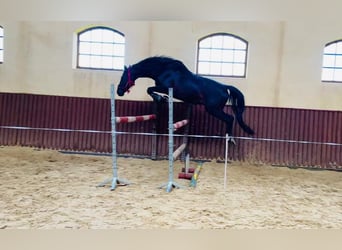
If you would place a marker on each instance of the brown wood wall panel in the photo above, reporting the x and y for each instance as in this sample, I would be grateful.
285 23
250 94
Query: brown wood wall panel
56 112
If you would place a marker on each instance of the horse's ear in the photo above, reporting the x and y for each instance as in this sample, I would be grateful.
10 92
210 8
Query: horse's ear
125 68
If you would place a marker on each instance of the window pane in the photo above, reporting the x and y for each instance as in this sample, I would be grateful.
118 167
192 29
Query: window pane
238 69
107 62
107 36
217 42
328 61
240 44
228 42
227 56
95 61
107 49
215 68
119 50
227 69
84 61
339 48
216 55
118 63
85 37
96 48
330 49
84 48
204 68
96 35
338 62
327 74
1 55
240 56
204 54
205 43
338 75
118 38
1 31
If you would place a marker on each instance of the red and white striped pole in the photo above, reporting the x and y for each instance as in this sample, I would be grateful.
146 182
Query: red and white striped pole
180 124
139 118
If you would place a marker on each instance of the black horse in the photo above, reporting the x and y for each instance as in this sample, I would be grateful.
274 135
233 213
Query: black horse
188 87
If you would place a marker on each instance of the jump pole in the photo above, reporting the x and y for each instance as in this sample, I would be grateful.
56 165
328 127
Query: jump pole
170 184
180 124
226 162
115 180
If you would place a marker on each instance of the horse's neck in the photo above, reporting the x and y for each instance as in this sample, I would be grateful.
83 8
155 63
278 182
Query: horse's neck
140 70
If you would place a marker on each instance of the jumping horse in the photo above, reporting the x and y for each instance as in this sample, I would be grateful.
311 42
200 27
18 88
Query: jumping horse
187 87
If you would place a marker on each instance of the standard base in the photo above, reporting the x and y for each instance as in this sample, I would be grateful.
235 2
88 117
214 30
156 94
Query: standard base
115 182
170 185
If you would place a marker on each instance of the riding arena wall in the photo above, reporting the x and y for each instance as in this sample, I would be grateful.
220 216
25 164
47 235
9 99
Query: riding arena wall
284 136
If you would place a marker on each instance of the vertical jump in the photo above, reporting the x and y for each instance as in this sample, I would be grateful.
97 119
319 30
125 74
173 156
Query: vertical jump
115 180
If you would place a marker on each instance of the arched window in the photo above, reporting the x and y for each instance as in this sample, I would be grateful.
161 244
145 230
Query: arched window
332 62
100 48
222 55
1 45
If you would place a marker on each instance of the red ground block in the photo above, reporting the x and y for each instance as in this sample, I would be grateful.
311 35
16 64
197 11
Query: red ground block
190 170
185 176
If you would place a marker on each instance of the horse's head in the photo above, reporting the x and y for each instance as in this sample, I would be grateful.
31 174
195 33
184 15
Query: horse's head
126 82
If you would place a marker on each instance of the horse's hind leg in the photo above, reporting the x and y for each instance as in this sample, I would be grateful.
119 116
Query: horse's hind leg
228 119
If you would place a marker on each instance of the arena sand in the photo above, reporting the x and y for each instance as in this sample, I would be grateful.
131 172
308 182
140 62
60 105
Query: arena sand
45 189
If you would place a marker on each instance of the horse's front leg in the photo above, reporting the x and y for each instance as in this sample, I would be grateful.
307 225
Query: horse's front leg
157 97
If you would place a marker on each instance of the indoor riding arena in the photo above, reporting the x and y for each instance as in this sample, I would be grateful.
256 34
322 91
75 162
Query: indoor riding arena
76 153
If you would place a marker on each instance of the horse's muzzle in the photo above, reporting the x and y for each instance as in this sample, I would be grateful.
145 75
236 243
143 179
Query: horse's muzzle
120 92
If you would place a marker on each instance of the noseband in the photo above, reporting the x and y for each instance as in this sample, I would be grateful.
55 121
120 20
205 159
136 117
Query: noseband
130 83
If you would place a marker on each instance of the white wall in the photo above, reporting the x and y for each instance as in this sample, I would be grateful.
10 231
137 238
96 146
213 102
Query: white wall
39 58
284 59
300 81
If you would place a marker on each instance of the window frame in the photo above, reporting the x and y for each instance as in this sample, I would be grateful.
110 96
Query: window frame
339 41
101 42
2 48
232 49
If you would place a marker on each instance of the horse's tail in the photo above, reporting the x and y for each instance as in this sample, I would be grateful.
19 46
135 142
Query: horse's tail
238 106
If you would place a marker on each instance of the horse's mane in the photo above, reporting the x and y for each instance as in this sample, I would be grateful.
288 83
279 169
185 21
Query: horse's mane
165 61
160 59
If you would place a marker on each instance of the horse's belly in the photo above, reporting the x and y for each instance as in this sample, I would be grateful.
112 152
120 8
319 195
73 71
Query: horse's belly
193 99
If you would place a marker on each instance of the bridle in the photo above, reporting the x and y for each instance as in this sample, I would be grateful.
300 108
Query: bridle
130 83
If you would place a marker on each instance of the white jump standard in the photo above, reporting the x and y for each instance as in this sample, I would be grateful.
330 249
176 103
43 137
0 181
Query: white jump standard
115 180
171 184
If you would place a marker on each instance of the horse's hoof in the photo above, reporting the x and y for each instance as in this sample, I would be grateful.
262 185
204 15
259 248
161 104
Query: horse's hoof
165 98
160 98
232 141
